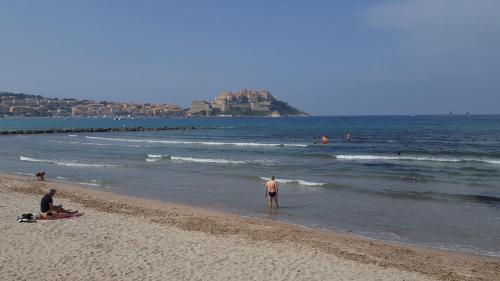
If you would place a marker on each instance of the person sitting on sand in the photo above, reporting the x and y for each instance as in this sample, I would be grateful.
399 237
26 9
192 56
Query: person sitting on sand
49 211
272 192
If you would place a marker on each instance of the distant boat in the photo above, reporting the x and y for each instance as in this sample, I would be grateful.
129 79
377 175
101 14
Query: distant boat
413 114
451 113
467 114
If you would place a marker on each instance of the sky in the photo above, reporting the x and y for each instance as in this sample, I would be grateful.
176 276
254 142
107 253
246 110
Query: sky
325 57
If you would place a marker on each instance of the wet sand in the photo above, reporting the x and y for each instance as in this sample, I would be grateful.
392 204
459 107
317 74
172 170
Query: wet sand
127 238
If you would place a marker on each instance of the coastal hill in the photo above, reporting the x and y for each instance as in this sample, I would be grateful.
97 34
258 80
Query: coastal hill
244 103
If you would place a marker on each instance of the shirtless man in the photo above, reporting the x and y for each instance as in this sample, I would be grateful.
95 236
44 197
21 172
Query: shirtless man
272 192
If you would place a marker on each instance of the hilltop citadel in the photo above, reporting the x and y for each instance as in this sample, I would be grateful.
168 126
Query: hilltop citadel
243 103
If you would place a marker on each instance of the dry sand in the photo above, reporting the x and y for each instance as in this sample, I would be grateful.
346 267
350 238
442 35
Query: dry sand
125 238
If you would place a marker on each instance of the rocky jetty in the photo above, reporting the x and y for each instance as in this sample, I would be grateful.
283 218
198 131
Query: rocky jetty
95 130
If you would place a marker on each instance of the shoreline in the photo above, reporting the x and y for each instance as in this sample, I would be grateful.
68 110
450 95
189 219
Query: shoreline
213 209
431 262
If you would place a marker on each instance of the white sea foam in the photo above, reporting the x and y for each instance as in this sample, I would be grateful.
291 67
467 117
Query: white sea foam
492 161
80 183
299 182
64 163
206 160
72 135
412 158
90 184
98 144
157 157
22 174
22 158
250 144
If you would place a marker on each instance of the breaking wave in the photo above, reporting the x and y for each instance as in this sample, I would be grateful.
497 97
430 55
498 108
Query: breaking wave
249 144
22 174
98 144
299 182
64 180
157 157
64 163
413 158
206 160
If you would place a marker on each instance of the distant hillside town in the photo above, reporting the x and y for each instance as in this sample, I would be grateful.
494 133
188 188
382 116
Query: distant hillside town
24 105
242 103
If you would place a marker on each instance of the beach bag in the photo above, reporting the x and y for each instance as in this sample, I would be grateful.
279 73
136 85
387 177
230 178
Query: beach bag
26 218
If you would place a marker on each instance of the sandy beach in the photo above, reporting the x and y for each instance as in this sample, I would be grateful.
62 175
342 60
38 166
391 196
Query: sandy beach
126 238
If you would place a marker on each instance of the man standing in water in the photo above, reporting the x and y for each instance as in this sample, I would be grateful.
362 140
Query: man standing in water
272 192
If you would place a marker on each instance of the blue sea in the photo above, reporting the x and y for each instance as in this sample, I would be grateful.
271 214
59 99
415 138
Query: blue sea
442 190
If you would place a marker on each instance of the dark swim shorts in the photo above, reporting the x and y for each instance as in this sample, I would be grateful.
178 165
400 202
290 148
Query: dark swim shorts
272 194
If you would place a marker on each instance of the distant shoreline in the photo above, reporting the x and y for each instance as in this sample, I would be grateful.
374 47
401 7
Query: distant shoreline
250 117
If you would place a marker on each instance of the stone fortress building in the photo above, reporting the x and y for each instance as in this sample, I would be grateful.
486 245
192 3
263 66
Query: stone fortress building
227 102
201 108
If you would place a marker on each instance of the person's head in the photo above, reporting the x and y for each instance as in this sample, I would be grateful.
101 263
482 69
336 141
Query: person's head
52 192
272 177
